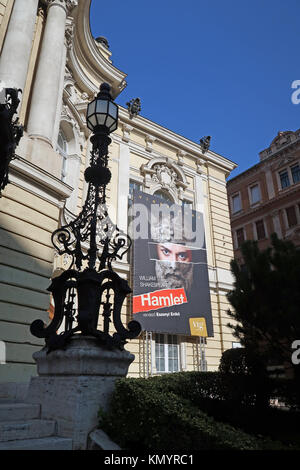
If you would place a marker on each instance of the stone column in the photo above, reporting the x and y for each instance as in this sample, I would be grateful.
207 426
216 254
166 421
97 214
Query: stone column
46 89
269 181
16 51
276 222
123 187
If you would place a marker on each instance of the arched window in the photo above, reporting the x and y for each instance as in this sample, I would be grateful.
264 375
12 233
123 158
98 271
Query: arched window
62 148
164 195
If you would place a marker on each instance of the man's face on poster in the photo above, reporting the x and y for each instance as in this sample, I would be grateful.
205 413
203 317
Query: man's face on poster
173 267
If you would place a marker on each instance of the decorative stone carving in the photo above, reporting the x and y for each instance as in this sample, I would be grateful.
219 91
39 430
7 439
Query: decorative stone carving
163 173
287 159
181 154
134 107
84 96
200 165
67 4
149 142
69 35
126 132
70 4
102 40
122 85
205 143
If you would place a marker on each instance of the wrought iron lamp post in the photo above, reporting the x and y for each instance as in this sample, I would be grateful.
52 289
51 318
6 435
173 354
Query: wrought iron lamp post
10 131
90 287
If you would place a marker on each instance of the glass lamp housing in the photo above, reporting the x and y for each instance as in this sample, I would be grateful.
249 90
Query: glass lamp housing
102 111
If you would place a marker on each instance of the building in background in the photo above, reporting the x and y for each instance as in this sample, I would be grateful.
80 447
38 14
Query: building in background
266 198
47 50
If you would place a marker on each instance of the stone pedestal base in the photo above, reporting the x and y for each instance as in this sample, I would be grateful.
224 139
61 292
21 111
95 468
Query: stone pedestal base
73 384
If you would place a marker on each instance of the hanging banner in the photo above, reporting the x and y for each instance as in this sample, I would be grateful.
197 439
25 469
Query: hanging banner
170 274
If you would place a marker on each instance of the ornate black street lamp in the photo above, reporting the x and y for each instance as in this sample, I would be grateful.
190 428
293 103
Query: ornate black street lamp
10 131
90 287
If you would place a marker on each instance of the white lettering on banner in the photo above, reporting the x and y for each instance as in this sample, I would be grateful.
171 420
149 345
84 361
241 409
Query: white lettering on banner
155 301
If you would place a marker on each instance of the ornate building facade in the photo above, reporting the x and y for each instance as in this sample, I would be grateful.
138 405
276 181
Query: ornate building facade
47 51
266 198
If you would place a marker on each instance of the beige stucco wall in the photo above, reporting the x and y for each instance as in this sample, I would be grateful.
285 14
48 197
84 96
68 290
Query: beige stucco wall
5 11
26 254
218 239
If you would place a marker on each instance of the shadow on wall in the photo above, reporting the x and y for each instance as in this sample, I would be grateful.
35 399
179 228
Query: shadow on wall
26 264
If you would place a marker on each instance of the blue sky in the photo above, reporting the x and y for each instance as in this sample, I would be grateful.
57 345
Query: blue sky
219 68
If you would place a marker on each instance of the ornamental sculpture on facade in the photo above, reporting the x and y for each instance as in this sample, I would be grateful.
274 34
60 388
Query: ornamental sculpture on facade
10 131
205 143
134 107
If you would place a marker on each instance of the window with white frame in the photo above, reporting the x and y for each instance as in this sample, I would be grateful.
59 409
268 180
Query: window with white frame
236 203
167 353
254 194
284 179
295 170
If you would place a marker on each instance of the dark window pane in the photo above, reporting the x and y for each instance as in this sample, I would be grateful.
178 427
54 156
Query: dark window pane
284 178
291 216
260 230
255 194
236 203
296 173
164 195
240 236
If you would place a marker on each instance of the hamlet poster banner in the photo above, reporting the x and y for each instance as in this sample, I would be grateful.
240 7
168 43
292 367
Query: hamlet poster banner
170 274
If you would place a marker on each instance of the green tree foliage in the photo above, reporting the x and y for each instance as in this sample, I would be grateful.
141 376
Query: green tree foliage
266 300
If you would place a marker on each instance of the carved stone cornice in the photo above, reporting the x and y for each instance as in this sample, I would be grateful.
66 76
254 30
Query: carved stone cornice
285 160
67 5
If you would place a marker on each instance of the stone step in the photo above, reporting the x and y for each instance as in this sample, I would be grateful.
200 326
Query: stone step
18 411
31 429
46 443
13 391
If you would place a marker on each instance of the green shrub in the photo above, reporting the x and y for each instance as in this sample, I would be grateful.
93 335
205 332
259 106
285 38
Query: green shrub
203 387
234 361
146 414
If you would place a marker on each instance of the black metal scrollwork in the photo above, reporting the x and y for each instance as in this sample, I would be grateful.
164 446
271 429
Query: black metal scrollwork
90 290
